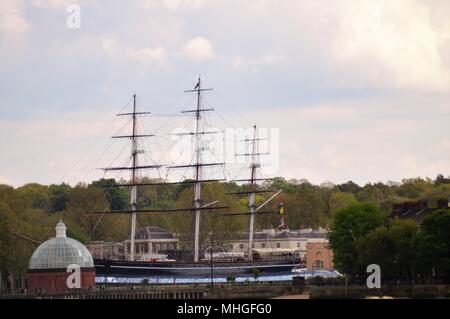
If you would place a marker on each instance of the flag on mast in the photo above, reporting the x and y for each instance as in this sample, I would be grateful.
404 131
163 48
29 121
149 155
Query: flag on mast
281 213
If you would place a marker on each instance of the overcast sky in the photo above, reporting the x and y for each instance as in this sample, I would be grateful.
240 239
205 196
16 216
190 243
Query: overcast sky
358 89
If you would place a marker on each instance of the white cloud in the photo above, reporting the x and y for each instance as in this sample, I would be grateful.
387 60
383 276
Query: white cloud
173 5
52 3
146 57
373 141
266 59
398 45
12 18
198 48
391 42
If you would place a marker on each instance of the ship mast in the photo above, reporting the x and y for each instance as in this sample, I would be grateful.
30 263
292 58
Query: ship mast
251 196
133 189
197 185
198 165
252 209
133 168
198 149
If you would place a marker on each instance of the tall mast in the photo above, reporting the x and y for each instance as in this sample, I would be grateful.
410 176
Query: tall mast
197 185
251 195
133 188
133 168
252 210
198 148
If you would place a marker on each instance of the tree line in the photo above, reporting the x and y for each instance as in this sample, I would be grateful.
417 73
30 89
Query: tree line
32 210
406 252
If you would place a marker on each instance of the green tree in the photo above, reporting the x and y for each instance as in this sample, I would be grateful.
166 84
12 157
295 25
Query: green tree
349 187
349 226
38 195
391 247
339 200
412 188
117 196
58 197
433 245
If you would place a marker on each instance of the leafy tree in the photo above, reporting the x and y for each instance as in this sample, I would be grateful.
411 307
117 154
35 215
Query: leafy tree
391 247
412 188
339 200
349 187
58 197
281 183
38 195
348 227
433 245
117 196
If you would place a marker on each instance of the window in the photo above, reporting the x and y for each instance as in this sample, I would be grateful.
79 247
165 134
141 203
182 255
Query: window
164 247
241 246
157 248
298 245
318 264
278 245
170 247
253 245
263 245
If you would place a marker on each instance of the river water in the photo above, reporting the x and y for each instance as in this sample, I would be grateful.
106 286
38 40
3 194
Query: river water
191 280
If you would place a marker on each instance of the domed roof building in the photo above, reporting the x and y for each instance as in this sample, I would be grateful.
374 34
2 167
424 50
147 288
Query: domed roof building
58 258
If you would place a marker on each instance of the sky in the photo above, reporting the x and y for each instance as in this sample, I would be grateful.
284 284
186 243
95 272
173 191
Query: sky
351 90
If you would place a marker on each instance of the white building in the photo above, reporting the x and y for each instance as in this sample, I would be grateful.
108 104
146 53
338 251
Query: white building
270 241
149 240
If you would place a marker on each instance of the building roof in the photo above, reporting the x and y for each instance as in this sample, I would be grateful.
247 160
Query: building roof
264 251
284 234
60 252
153 232
416 210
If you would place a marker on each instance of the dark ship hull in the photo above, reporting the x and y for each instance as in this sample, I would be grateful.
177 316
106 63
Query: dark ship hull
193 270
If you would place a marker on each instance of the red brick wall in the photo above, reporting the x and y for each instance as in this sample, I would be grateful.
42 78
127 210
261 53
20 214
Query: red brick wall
319 251
55 281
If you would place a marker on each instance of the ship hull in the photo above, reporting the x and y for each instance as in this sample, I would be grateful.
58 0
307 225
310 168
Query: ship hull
196 270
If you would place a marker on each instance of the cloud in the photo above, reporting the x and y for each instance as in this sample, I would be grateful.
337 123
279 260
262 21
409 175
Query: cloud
358 88
54 4
12 18
145 57
266 59
381 44
372 140
198 48
391 42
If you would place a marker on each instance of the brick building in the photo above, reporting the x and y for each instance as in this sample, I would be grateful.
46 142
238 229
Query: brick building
48 266
319 256
416 210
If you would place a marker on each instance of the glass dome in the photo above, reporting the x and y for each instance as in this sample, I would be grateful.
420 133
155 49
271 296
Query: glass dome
60 252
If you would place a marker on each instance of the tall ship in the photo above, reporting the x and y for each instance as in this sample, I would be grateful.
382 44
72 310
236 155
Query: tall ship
217 264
